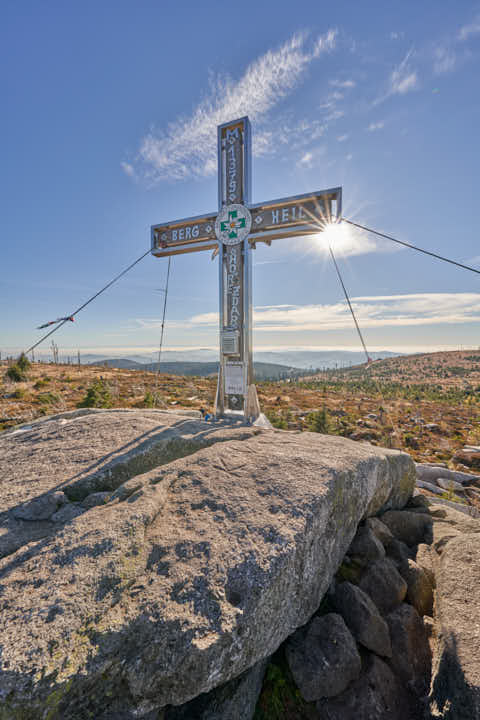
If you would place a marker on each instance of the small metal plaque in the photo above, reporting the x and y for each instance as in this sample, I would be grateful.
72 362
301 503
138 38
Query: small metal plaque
234 378
230 343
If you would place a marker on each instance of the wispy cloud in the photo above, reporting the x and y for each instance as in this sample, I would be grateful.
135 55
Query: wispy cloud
187 148
372 312
453 51
128 169
311 157
329 107
331 100
334 115
444 60
466 31
403 79
346 84
269 262
376 126
306 160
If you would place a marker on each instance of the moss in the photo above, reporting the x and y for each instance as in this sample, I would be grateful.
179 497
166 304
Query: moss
54 699
451 497
280 698
349 572
66 661
7 712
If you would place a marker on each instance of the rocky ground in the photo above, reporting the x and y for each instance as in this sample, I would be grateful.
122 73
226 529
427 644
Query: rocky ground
426 405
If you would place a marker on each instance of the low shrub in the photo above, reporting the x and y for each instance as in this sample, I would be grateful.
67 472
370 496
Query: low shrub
151 400
98 395
23 362
41 383
16 374
319 421
278 421
48 398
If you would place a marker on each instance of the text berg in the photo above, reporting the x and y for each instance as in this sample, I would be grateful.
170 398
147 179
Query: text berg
186 233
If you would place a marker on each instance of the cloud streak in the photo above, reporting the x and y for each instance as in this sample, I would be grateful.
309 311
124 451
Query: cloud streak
187 148
345 84
403 79
448 55
470 29
417 309
445 60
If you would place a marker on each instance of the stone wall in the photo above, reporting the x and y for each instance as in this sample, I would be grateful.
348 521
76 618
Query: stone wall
396 637
365 653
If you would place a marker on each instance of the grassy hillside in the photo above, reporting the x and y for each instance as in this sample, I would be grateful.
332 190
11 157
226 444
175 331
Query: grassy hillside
423 404
454 369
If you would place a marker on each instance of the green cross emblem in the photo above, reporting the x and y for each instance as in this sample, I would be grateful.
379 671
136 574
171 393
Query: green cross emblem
232 224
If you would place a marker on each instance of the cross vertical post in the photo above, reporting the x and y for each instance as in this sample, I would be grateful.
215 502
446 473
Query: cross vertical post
233 233
236 392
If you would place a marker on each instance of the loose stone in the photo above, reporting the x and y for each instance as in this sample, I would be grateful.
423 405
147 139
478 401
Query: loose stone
323 657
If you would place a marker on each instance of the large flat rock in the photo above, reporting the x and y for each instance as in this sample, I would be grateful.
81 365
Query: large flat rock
84 451
216 544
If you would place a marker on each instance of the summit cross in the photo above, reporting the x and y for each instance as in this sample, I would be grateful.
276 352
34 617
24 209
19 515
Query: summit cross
233 232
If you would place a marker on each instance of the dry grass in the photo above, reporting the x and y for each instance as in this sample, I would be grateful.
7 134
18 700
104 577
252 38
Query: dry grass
432 423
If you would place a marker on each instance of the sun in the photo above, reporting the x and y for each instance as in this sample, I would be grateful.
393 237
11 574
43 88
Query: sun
335 235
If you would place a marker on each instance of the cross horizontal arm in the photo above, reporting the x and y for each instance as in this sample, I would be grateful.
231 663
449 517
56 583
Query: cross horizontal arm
295 215
193 234
292 216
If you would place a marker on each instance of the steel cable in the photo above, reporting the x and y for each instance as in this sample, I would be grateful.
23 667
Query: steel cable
117 277
412 247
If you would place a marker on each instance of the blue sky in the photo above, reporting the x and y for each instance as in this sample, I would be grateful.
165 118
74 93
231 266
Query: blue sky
108 126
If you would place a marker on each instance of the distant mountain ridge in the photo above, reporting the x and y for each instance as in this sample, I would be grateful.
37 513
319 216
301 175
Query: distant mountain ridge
262 371
301 359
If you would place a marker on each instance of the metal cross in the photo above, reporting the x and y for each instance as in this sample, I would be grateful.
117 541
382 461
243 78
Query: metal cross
234 232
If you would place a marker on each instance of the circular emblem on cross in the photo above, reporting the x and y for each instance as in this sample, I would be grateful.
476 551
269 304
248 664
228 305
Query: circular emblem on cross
233 224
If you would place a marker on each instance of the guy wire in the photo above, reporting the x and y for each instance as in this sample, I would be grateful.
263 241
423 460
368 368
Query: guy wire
369 360
75 312
163 326
412 247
